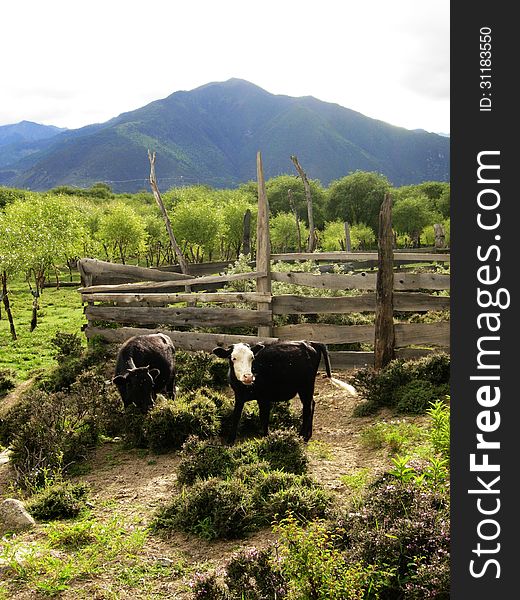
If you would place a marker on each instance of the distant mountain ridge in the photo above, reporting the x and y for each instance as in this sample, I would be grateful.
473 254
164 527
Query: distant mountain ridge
24 138
211 135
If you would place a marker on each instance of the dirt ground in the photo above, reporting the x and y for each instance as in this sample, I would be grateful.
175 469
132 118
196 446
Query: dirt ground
133 484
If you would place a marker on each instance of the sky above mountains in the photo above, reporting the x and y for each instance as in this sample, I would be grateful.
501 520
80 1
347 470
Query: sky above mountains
72 64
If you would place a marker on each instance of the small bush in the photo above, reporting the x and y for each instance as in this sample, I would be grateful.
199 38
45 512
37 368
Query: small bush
203 460
304 502
7 381
382 388
72 360
48 432
67 345
63 500
415 397
170 423
211 509
402 524
314 567
254 574
199 369
284 450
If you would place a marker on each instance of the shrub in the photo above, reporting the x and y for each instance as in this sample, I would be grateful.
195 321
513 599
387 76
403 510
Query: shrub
253 574
434 368
229 491
415 396
62 500
203 460
199 369
72 360
48 432
284 450
169 424
7 381
303 501
211 509
67 345
384 387
315 568
401 525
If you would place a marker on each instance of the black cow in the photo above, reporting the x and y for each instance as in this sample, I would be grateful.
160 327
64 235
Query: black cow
145 366
276 372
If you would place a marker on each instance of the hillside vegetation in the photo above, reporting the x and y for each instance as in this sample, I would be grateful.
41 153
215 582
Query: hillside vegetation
210 135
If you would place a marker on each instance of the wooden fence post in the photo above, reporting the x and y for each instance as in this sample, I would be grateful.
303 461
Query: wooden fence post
384 341
348 244
263 246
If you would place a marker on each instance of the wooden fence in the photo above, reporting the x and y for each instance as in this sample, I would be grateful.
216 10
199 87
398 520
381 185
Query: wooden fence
154 300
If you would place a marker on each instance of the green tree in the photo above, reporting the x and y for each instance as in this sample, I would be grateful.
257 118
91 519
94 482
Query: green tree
9 266
45 230
122 232
277 190
411 215
233 205
333 237
284 233
196 224
357 198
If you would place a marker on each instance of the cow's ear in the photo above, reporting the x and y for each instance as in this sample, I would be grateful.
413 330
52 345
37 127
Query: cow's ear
154 373
257 348
222 352
120 380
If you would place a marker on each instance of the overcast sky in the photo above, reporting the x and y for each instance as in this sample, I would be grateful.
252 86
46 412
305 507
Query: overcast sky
71 63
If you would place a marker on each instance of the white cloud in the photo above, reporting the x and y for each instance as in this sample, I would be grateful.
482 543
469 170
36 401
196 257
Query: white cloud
72 66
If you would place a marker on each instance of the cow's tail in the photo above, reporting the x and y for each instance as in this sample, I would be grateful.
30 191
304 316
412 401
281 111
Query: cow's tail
323 350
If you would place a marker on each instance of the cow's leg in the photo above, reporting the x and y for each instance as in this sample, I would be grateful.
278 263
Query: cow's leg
235 419
308 413
265 409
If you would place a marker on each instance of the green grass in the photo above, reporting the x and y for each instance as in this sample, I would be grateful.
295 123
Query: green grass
60 310
396 436
84 550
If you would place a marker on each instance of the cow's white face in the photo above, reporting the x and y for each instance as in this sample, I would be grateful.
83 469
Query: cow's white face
242 361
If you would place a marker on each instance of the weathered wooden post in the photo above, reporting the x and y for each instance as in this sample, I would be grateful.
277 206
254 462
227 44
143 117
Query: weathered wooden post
440 236
311 244
292 206
348 243
384 325
157 195
263 246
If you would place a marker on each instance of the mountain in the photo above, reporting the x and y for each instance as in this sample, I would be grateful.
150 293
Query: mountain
24 138
211 135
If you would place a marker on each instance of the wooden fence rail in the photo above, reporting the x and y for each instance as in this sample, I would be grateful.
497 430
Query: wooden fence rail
148 300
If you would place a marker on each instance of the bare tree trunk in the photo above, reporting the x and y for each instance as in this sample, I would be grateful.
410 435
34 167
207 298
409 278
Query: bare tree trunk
311 244
5 300
246 238
153 182
295 213
384 323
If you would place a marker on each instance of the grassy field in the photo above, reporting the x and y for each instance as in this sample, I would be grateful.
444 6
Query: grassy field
60 310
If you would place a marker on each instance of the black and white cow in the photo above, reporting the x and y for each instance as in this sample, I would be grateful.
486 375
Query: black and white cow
145 366
276 372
